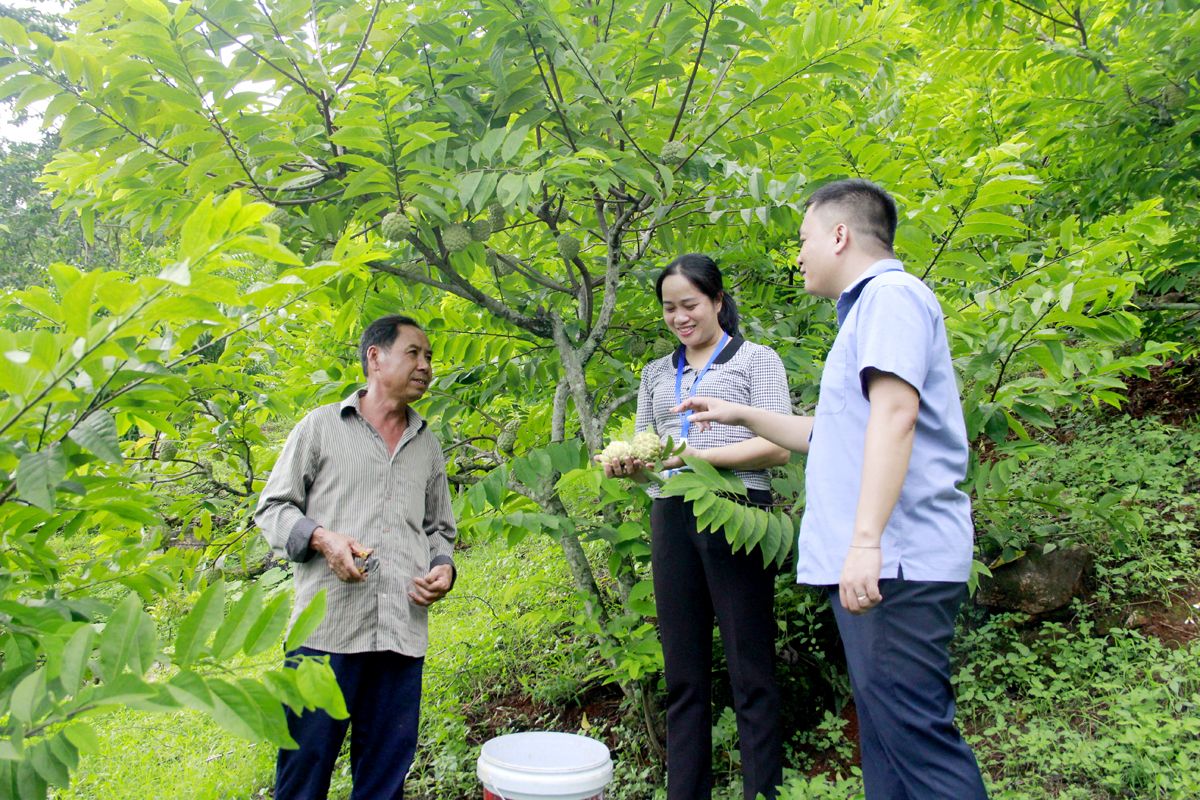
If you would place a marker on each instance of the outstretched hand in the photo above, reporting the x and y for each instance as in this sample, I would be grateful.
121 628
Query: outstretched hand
707 410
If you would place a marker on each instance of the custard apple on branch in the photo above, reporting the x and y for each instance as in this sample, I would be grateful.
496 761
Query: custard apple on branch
395 227
568 246
456 238
673 153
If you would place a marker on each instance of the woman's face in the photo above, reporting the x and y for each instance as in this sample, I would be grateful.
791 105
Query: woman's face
689 312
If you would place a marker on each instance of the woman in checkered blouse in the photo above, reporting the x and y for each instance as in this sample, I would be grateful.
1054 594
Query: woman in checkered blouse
696 574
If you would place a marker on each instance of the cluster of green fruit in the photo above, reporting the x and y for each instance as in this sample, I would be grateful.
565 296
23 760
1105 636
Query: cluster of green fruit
646 447
659 347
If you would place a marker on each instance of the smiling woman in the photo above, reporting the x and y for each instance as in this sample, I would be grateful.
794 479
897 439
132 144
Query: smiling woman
696 573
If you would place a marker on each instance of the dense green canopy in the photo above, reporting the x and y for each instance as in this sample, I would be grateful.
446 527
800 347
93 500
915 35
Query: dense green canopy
549 157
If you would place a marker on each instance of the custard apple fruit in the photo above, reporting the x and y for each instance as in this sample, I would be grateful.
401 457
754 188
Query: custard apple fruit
168 451
673 153
278 217
637 347
663 347
568 246
506 441
456 238
395 227
647 446
481 229
496 216
616 451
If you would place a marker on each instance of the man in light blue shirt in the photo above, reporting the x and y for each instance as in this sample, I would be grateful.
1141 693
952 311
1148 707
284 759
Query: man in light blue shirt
885 526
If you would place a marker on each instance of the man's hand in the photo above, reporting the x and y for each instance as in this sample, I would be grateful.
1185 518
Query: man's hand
339 551
432 587
707 410
859 585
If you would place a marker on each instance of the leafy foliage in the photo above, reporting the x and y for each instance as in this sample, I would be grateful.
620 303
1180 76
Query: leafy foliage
1043 162
98 360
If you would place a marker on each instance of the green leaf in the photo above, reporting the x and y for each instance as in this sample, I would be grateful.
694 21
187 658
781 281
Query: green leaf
306 622
269 626
84 737
201 621
236 711
189 689
28 696
232 633
125 638
30 785
98 433
75 657
53 771
273 721
38 473
318 685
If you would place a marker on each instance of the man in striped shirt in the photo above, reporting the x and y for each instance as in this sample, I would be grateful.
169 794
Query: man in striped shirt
359 501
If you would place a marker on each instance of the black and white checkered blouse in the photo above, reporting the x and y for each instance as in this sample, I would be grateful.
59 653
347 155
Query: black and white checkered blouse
744 372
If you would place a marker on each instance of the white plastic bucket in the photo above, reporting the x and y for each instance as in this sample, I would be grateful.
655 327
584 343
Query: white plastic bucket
540 765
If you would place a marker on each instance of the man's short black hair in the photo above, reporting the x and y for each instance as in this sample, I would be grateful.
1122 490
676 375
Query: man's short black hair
869 210
382 333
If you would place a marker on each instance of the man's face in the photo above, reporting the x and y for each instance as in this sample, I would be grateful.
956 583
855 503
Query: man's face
820 243
403 371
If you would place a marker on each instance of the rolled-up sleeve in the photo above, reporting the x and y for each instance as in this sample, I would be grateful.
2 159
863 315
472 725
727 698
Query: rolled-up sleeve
284 500
894 335
439 523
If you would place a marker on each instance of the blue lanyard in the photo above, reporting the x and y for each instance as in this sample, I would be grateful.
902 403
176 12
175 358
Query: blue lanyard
685 419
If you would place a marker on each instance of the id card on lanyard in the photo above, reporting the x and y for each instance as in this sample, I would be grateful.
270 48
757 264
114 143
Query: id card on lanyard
685 418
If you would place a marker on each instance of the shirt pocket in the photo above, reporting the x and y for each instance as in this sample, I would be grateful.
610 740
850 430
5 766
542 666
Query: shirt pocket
832 398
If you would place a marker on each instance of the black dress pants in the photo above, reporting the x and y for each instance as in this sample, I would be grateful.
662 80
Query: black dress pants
383 695
696 576
899 659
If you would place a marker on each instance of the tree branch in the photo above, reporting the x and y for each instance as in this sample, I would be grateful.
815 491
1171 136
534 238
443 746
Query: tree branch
361 46
687 93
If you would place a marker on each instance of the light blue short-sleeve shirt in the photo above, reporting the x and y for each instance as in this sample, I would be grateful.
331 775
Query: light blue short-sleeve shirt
891 322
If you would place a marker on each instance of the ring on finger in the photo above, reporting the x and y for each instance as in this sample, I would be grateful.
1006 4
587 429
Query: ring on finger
862 597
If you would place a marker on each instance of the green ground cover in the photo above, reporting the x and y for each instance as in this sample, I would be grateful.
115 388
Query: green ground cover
1097 703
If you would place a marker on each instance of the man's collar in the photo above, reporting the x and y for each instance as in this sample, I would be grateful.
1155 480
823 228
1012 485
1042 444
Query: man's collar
850 294
728 352
354 403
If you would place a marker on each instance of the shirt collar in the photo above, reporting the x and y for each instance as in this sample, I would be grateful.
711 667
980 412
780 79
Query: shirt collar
354 403
730 350
851 293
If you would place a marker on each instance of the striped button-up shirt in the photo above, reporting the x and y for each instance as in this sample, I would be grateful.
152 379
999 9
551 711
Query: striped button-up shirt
335 472
744 372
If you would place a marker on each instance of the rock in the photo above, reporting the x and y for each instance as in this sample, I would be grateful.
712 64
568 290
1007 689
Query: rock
1036 583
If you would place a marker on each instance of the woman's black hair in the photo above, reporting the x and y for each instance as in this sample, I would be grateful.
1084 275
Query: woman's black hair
703 273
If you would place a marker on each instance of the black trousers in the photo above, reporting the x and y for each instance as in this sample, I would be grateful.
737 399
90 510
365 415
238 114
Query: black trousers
383 695
899 659
697 576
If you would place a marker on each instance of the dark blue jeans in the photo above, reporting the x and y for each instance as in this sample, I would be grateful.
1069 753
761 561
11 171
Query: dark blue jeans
899 659
383 695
